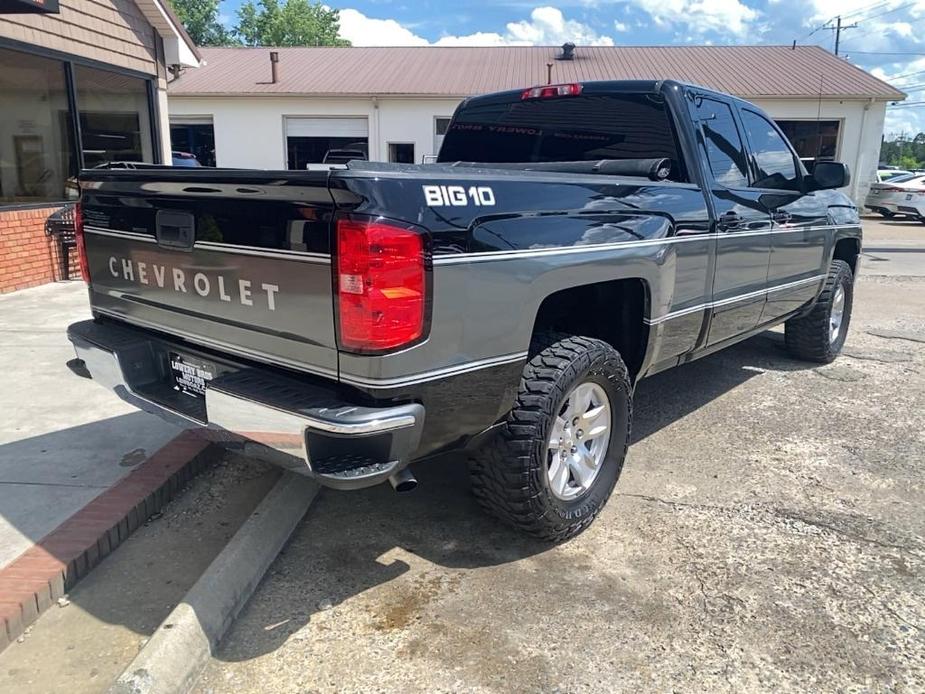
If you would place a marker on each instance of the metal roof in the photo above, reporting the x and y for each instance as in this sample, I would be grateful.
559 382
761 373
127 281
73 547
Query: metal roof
435 71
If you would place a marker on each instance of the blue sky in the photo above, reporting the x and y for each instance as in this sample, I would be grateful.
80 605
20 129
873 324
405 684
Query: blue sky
889 41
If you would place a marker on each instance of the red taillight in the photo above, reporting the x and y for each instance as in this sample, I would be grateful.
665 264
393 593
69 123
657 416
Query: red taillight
81 244
381 285
551 91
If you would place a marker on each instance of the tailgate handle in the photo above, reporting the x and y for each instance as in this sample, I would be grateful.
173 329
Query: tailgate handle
175 229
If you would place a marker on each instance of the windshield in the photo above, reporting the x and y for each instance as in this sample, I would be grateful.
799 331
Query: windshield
574 128
899 178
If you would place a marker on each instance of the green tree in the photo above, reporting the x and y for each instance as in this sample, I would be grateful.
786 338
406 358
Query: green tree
200 19
290 23
903 151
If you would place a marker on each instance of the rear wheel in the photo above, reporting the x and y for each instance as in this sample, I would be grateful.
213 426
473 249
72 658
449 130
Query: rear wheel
820 335
553 464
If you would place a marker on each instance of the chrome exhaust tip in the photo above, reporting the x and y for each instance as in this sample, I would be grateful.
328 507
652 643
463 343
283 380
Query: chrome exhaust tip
403 481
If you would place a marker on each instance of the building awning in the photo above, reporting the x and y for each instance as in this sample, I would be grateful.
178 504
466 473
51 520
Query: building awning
179 48
29 6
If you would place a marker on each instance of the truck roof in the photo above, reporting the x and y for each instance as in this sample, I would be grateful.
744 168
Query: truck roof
603 87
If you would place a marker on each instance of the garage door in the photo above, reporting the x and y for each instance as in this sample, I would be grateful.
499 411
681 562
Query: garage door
327 127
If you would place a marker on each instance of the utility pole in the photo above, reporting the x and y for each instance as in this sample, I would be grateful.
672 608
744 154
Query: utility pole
838 28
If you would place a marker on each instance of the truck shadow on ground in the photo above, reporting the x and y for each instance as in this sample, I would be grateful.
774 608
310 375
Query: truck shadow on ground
350 544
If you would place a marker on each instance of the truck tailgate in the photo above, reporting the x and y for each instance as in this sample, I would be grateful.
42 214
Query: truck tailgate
243 267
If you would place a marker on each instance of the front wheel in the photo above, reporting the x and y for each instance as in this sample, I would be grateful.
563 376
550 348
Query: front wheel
553 464
820 335
887 214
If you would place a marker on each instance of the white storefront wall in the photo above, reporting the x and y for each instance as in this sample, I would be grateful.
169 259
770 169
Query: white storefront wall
250 130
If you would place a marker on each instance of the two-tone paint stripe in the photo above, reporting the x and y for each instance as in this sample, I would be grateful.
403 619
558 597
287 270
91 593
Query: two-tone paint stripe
526 253
485 256
237 249
433 374
735 299
519 356
490 362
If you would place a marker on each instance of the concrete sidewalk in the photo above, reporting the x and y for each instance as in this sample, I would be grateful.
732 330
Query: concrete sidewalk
63 439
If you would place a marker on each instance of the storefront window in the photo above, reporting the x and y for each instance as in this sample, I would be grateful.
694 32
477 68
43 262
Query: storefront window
38 141
115 123
35 132
816 139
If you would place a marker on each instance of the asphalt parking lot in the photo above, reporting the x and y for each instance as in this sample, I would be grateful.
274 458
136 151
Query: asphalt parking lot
767 534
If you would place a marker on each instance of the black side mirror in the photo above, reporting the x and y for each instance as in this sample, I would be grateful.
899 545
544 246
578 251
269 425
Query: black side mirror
828 175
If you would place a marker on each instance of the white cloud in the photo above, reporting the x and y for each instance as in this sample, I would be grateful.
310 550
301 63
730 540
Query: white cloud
911 119
361 30
546 26
702 16
480 38
620 26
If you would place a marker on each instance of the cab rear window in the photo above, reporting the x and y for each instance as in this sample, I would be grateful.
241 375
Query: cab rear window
575 128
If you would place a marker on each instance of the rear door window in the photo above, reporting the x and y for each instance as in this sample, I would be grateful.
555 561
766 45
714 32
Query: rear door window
725 152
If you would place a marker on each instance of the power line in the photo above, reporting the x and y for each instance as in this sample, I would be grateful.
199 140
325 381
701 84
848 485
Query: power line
890 11
866 8
884 53
873 29
908 74
827 24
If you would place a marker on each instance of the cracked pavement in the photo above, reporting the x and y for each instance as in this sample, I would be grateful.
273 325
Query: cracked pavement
767 534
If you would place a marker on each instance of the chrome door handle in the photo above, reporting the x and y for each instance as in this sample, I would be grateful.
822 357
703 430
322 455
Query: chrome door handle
729 220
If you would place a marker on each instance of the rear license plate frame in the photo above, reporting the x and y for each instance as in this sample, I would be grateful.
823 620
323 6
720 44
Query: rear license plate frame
190 374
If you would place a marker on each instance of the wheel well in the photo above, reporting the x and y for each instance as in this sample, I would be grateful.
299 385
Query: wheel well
611 311
848 250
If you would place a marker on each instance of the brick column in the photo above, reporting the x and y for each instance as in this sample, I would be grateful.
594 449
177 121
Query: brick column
28 257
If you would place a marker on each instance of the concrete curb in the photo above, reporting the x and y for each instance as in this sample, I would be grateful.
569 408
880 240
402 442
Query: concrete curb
174 656
37 578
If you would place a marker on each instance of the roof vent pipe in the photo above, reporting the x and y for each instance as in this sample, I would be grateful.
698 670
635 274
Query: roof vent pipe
568 51
274 67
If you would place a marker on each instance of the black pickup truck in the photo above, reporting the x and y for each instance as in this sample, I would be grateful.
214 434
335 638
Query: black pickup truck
571 240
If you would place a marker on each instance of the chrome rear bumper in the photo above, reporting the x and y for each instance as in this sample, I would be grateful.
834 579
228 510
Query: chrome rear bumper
299 425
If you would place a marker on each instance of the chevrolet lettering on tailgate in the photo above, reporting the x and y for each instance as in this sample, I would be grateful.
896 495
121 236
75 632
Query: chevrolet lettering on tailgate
243 291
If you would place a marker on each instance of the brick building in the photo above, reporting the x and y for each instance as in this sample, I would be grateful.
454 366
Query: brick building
81 82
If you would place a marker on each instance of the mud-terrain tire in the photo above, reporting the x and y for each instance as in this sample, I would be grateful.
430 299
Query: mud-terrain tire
814 337
511 473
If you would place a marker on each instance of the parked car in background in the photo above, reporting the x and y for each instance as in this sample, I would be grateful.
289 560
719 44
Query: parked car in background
342 156
887 174
901 195
184 159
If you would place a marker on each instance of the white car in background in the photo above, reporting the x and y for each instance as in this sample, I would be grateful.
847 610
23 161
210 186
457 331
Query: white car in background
887 174
901 195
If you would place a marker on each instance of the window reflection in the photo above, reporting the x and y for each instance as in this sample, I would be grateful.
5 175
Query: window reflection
35 134
114 119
